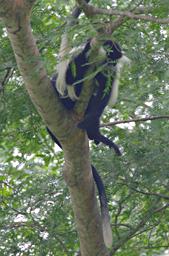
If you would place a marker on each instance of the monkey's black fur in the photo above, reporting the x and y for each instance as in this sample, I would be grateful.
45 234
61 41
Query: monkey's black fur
104 82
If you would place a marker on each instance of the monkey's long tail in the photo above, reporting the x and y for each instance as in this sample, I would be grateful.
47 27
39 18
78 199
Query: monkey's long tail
101 138
107 232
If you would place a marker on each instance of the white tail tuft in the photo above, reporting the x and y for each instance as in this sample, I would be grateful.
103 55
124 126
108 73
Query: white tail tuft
107 231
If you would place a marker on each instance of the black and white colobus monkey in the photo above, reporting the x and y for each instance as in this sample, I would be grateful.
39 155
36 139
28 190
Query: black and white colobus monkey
68 84
70 78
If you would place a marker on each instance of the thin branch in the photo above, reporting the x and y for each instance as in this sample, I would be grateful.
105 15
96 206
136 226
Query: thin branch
161 208
135 120
148 247
7 76
91 10
133 232
150 193
142 17
131 15
120 20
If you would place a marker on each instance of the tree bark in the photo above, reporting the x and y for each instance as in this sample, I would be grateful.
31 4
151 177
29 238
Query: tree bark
77 171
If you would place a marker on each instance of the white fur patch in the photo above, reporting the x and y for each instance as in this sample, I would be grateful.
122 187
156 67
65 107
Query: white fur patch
115 86
61 69
76 50
64 55
102 53
62 65
107 232
71 93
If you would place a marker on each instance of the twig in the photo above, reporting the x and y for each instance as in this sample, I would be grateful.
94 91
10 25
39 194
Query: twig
135 120
150 193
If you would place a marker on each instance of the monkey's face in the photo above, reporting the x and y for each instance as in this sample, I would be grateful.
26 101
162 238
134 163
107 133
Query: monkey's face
113 50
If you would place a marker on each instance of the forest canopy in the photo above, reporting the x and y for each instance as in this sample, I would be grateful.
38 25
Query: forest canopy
41 212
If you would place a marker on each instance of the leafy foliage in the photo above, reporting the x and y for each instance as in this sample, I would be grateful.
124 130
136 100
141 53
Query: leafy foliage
35 211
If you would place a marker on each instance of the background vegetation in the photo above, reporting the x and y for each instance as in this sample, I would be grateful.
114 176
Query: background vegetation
35 211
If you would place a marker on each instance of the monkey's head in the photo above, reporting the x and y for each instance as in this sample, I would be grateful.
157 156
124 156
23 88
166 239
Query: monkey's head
113 50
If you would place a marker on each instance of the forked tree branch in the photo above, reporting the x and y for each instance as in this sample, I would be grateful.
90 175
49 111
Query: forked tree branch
91 10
